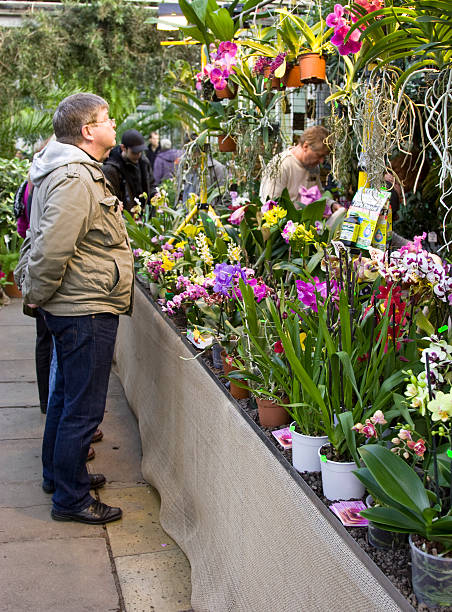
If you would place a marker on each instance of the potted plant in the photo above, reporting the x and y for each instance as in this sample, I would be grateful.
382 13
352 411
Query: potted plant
411 508
361 368
315 40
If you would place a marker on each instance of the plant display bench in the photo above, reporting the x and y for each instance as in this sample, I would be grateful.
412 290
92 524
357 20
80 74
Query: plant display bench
256 536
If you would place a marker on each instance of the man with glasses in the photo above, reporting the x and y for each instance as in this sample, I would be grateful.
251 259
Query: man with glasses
77 267
296 167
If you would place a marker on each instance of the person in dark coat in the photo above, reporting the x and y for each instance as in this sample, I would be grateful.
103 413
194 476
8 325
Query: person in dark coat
154 148
164 165
129 171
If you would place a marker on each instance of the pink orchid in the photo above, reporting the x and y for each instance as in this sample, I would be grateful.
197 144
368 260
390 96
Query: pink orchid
418 447
226 47
378 418
369 430
353 44
336 19
404 434
307 196
237 216
268 206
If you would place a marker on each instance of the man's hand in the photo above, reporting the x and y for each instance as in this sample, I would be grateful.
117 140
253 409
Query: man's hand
32 305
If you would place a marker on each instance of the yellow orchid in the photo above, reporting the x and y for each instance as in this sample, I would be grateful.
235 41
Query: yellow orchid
302 339
272 217
191 230
181 244
167 263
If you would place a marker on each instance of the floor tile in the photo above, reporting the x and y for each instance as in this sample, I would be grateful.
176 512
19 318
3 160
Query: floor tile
139 530
155 581
66 575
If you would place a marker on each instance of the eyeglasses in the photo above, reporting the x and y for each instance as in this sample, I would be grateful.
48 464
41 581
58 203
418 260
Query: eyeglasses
112 122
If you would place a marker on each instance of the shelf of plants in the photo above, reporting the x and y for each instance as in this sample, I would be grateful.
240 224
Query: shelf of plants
256 536
358 364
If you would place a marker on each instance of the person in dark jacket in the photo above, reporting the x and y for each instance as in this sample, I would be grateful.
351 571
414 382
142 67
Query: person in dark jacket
154 147
165 161
129 171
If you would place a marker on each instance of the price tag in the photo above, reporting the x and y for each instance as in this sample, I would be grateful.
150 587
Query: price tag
323 458
449 453
292 428
441 329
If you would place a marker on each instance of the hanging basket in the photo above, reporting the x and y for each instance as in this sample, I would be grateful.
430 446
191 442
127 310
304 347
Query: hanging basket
292 77
226 144
312 68
226 93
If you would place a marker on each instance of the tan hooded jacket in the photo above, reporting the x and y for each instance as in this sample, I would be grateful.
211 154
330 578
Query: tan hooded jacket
76 259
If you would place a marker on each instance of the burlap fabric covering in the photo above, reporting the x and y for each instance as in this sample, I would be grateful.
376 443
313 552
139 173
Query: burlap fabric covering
255 539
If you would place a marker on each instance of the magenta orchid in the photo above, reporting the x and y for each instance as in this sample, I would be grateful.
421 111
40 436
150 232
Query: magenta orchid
341 19
221 67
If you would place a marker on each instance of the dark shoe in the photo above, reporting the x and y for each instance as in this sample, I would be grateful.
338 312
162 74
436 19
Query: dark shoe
96 514
97 437
91 454
44 409
96 482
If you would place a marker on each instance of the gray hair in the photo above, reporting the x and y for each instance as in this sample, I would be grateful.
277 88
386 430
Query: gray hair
73 113
165 144
316 137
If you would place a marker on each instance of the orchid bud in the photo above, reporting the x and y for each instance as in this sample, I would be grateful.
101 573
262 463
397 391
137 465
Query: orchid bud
284 315
395 441
394 450
406 455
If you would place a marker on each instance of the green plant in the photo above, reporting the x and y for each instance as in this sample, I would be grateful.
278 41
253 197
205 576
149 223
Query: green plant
418 32
407 505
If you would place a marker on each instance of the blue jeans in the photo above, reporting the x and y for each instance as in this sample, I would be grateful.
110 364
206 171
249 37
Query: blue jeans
84 351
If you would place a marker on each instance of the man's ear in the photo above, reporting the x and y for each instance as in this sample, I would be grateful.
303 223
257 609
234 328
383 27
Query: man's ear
123 148
87 133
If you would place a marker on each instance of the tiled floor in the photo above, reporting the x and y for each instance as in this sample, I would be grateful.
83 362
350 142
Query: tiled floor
131 565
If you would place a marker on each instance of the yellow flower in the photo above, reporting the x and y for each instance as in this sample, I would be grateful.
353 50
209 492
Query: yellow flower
192 200
167 263
181 244
272 217
302 339
190 230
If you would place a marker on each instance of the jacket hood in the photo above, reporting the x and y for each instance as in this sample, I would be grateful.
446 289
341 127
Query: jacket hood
54 155
170 155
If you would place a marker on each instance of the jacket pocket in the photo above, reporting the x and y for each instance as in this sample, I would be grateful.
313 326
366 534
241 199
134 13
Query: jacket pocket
114 230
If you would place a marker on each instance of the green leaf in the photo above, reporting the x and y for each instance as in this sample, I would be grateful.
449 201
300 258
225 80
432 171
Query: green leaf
424 323
313 212
346 421
397 479
221 24
390 519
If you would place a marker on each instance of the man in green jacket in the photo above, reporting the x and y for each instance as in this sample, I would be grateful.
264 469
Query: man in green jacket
77 267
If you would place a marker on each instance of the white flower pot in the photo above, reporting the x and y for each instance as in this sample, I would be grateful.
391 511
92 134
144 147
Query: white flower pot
338 480
305 455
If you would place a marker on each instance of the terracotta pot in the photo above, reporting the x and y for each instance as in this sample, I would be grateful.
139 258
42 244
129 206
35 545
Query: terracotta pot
235 391
312 68
275 82
292 77
12 290
226 93
272 414
226 144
